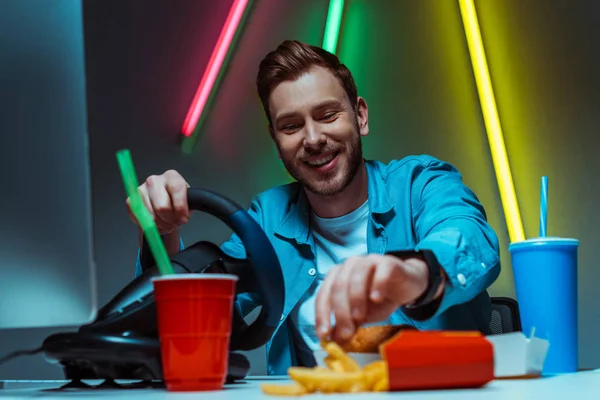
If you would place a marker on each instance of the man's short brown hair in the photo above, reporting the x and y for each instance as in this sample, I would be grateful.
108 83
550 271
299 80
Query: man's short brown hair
290 60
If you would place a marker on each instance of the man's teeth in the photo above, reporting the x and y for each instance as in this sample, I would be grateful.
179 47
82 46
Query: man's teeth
321 161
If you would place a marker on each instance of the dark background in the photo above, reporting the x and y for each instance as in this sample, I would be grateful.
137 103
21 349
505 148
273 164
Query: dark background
144 60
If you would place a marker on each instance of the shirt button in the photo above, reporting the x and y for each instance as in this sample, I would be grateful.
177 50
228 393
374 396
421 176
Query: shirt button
461 279
483 265
312 272
282 317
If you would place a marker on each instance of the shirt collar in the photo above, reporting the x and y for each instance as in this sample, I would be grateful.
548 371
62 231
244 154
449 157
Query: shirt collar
296 223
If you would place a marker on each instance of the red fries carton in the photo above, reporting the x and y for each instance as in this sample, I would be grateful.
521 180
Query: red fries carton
420 360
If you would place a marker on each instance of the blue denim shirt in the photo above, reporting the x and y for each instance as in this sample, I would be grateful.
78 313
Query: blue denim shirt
415 203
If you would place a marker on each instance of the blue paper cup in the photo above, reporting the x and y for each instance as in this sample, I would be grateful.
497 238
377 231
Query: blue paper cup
545 273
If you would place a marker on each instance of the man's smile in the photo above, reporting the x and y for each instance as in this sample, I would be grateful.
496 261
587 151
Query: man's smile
323 162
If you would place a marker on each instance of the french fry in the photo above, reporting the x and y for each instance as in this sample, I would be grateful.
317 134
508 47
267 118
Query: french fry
342 375
328 381
333 364
336 352
284 390
382 385
374 372
360 386
378 365
320 369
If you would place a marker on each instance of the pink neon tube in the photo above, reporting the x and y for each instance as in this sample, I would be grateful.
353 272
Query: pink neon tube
214 65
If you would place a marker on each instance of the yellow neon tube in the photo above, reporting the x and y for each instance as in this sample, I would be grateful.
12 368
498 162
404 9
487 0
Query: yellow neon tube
492 121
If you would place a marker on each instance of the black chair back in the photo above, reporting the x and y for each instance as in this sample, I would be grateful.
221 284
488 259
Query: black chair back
505 316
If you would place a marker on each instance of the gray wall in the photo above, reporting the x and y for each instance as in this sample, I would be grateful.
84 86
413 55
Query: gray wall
145 58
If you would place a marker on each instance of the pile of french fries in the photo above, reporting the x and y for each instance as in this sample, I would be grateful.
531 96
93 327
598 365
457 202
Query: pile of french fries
342 375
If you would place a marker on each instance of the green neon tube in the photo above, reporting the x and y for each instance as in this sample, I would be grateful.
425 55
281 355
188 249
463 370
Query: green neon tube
332 26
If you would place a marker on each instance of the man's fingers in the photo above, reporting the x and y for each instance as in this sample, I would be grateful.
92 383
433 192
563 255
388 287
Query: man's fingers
178 193
381 311
161 203
165 198
340 300
146 199
323 305
381 281
161 225
360 282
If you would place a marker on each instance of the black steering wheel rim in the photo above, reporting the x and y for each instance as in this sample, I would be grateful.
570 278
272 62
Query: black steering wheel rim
260 257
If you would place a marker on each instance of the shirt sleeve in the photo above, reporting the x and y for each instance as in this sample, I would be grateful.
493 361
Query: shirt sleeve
450 221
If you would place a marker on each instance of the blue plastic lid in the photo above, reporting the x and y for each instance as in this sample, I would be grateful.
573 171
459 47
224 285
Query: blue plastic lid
543 241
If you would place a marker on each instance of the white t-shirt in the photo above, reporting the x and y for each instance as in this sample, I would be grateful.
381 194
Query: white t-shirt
335 240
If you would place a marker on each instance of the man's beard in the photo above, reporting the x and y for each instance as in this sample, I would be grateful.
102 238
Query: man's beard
335 184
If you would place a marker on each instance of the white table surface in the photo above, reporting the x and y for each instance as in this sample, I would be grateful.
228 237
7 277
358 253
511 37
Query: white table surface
582 385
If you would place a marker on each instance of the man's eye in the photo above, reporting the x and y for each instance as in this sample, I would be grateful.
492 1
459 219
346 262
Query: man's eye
290 127
328 116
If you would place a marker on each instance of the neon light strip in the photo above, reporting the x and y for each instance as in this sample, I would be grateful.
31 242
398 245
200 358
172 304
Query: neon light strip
214 65
492 121
332 26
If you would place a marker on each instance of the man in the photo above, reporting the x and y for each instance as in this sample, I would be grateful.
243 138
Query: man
363 242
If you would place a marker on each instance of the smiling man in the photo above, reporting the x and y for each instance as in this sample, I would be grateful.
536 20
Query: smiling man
360 241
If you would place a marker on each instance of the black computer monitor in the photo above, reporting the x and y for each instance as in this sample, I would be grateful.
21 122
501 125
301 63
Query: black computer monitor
47 275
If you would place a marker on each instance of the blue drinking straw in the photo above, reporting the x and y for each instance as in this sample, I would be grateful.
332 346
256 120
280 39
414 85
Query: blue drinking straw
543 206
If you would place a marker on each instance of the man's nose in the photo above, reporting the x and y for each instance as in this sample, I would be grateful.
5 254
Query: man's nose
313 136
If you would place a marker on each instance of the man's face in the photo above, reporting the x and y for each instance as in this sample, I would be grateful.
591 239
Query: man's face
317 131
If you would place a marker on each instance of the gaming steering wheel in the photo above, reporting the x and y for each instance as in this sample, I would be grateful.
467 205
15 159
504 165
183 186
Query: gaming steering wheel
259 273
122 341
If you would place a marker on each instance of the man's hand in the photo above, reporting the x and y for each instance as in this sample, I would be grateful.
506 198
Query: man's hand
165 197
368 289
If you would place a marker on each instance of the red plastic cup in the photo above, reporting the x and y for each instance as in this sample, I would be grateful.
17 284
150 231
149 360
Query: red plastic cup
194 314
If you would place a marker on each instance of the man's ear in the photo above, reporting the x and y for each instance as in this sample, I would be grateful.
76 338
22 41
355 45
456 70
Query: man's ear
362 116
271 132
